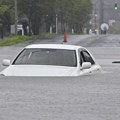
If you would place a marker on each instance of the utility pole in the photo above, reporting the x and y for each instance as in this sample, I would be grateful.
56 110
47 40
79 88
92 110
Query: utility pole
16 16
56 24
95 16
101 6
56 16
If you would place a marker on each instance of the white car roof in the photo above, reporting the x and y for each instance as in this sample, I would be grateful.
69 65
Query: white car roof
54 46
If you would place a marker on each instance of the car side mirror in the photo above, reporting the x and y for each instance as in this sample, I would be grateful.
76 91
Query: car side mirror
6 62
86 65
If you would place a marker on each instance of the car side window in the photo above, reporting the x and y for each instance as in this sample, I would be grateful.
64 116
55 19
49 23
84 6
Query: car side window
86 57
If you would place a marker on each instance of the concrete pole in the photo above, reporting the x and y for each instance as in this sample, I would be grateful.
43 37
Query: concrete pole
16 16
95 16
101 9
56 24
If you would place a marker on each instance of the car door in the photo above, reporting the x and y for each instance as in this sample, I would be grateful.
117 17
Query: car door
85 56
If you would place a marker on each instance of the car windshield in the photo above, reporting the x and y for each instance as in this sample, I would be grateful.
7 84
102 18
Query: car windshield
57 57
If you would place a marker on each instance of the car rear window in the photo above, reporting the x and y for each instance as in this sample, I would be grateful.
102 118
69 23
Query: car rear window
57 57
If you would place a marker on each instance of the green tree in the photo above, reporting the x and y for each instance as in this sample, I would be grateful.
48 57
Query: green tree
74 14
40 15
6 8
35 11
71 13
78 14
4 19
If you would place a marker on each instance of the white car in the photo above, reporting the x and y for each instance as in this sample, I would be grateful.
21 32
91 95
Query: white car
51 60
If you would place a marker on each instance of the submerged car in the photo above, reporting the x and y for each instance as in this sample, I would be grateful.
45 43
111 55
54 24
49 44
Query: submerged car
51 60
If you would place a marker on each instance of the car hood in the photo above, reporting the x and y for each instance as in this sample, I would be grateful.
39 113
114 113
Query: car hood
38 70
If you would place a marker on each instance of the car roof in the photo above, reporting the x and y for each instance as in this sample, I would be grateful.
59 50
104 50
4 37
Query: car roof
54 46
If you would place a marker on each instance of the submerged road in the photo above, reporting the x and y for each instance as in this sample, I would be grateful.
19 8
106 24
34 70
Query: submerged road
93 97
